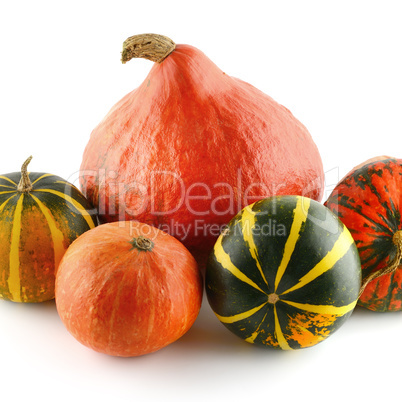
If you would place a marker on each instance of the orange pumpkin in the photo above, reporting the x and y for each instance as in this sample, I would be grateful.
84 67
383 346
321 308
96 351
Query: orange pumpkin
128 289
368 200
192 146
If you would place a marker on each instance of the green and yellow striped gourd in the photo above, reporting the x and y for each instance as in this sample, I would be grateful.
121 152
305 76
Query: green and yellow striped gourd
40 216
285 273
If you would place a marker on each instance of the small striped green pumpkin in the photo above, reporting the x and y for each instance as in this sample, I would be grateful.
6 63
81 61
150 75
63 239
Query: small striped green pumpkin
40 216
285 273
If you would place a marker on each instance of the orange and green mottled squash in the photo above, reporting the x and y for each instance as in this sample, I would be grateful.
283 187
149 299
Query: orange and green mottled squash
368 200
284 274
40 216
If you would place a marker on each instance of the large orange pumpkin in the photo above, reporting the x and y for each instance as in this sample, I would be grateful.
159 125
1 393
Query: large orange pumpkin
192 146
127 289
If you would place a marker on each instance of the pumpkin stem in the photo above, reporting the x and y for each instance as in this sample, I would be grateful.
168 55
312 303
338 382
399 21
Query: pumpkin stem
147 46
393 265
142 243
25 185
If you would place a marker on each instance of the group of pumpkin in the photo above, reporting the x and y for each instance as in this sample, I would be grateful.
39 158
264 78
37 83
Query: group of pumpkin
285 272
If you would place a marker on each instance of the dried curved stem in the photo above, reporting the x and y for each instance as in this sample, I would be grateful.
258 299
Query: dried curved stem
147 46
393 265
25 185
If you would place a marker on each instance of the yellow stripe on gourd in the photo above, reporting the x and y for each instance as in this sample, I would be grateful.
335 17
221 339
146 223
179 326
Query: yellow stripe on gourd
340 248
5 185
76 204
7 179
42 177
66 183
299 217
6 201
283 344
224 259
7 192
56 233
14 284
238 317
247 225
254 335
323 309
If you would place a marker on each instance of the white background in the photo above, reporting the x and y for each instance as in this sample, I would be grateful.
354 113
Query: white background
336 65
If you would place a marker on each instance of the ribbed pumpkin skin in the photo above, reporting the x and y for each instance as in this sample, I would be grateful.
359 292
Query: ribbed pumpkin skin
35 230
369 202
191 147
285 274
122 301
